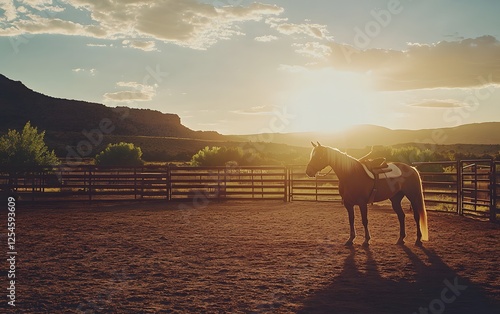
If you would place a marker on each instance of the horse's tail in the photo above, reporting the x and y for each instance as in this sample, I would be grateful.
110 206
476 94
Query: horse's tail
423 221
422 213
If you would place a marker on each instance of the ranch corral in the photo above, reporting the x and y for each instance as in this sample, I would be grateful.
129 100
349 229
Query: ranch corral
466 187
248 257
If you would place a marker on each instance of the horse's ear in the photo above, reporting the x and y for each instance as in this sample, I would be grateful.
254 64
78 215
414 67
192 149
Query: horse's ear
314 145
318 144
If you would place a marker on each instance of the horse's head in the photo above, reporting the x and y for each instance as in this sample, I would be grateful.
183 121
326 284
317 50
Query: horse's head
318 160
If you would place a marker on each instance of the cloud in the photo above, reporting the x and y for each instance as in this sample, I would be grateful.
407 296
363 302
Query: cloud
316 31
142 45
266 38
127 96
313 30
313 50
9 9
187 23
35 24
97 45
434 103
257 110
196 25
255 11
13 13
464 63
91 72
42 5
135 92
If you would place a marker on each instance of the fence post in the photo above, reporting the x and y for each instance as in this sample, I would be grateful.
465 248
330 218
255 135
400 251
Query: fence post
476 186
169 182
90 183
290 182
459 188
316 186
135 183
217 191
285 185
493 191
32 184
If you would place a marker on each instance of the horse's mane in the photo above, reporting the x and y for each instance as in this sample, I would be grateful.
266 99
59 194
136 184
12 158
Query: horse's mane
344 161
343 154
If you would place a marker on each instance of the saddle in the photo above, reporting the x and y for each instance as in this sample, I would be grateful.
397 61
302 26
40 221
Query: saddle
377 165
375 169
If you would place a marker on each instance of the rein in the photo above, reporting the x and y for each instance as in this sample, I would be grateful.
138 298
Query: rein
324 175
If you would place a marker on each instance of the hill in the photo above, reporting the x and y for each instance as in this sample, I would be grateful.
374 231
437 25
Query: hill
20 104
369 135
69 123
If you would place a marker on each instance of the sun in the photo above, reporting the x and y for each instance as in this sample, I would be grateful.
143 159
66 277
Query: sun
330 100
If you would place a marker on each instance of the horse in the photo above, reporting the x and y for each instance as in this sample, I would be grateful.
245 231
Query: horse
356 187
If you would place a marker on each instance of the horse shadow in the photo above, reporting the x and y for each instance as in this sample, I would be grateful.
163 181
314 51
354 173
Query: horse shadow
434 288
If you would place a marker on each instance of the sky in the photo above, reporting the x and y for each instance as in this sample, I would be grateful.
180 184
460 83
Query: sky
245 67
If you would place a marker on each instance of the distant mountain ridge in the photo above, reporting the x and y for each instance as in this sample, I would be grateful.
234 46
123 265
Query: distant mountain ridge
165 138
368 135
20 104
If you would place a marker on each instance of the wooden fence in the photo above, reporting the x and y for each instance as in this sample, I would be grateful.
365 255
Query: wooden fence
441 185
325 187
148 182
227 183
467 187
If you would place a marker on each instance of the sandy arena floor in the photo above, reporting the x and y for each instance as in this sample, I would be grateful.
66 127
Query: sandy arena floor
247 257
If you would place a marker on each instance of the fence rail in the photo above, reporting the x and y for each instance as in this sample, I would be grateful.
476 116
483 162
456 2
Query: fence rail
495 191
323 188
228 183
469 187
440 181
160 182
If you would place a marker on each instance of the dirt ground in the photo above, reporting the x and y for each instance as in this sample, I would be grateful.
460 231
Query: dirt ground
247 257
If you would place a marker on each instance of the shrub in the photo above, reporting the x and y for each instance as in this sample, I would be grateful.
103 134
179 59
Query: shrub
25 149
121 154
209 157
220 156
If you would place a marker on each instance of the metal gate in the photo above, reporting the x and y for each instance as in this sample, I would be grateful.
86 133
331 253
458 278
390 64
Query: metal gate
495 191
478 188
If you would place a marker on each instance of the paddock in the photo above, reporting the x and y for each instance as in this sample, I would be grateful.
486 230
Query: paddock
248 257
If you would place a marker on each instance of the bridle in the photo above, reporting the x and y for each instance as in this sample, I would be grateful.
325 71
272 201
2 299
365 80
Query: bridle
319 174
324 175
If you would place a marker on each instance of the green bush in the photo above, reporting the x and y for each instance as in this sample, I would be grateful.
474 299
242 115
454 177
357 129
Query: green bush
220 156
25 149
121 154
411 154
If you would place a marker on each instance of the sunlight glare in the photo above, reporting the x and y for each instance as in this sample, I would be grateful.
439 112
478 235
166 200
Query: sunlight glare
331 101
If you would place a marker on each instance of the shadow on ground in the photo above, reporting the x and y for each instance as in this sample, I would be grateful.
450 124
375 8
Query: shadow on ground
434 288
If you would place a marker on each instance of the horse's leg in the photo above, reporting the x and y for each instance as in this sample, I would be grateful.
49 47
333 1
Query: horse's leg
396 205
414 206
364 216
350 213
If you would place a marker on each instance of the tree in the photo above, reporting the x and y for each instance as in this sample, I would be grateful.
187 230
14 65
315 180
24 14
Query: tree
209 157
219 156
121 154
26 149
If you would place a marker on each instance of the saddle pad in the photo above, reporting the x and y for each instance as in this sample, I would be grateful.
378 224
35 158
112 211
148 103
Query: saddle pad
394 173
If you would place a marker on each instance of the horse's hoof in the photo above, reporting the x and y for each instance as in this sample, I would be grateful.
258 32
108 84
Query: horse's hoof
400 242
349 243
366 244
418 243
